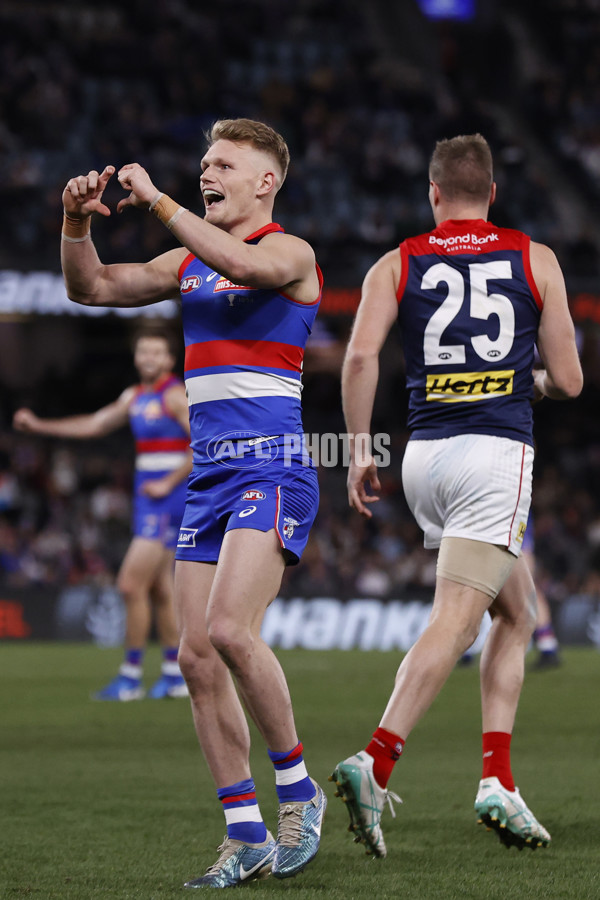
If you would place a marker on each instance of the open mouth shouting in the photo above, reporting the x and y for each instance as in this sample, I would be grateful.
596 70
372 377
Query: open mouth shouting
212 198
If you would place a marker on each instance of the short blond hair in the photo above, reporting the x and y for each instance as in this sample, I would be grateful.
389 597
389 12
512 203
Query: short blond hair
462 167
257 134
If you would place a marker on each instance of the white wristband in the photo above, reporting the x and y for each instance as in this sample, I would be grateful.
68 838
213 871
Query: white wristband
176 216
156 199
70 240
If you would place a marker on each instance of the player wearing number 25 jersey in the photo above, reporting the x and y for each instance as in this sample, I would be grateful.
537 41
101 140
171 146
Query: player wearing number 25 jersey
472 300
469 311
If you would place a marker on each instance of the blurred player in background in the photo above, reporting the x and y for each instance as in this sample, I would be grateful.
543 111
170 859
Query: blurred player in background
249 294
156 410
544 638
472 301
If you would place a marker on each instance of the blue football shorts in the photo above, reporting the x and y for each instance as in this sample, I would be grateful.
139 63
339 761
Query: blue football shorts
220 499
158 519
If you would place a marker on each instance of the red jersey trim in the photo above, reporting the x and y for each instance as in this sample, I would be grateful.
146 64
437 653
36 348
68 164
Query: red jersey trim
157 386
312 302
271 228
404 263
185 264
161 445
528 273
271 354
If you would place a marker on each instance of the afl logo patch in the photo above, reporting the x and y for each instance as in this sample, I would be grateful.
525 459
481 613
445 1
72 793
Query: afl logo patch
190 283
254 495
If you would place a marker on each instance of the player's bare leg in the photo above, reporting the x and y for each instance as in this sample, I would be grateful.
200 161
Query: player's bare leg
222 731
247 580
138 571
227 645
218 716
137 574
453 626
163 601
499 803
170 684
502 664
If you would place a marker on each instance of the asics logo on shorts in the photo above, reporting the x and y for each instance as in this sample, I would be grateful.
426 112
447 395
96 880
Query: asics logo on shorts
468 386
247 512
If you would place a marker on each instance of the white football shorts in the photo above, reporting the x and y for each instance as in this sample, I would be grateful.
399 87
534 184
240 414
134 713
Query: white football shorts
473 486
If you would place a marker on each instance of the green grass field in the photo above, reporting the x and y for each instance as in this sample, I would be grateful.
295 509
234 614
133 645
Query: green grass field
114 800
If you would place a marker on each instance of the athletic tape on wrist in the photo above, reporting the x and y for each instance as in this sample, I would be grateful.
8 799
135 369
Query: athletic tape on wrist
166 210
75 230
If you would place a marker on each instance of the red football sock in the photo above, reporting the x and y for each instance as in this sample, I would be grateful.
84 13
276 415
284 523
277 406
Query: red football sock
496 758
386 749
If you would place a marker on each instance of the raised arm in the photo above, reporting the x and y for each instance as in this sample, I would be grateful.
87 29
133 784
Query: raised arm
277 261
376 314
87 280
90 425
562 377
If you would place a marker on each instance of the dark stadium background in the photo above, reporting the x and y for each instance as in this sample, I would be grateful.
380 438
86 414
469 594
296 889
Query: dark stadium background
361 91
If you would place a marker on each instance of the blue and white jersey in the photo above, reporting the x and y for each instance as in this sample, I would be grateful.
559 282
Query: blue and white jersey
244 349
469 311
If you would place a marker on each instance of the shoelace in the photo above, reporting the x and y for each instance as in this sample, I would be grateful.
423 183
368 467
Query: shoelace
225 850
289 827
388 798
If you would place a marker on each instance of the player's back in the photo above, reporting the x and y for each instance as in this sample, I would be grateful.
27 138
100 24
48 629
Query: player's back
469 311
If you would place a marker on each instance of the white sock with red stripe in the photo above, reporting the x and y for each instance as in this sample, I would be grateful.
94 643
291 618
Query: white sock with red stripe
242 814
291 778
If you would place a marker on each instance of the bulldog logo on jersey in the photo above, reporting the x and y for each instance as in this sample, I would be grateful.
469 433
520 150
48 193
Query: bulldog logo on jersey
152 411
289 525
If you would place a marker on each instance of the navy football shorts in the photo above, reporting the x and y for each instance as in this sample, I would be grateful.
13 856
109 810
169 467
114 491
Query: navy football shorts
220 499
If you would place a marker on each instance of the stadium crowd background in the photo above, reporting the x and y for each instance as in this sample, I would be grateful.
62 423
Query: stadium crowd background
361 92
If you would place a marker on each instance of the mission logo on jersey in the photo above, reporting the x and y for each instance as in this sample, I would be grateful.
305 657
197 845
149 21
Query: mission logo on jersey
224 284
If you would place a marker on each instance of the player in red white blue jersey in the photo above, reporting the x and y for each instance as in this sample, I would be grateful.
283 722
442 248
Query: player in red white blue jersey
156 411
472 301
249 295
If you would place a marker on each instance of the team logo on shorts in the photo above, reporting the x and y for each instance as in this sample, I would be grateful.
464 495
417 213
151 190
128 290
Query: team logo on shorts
289 525
254 495
187 537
